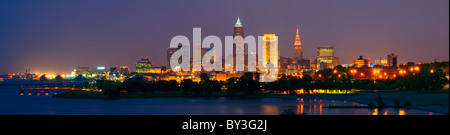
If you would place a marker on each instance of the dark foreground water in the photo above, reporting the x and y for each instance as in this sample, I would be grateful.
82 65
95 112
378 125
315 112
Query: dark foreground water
34 102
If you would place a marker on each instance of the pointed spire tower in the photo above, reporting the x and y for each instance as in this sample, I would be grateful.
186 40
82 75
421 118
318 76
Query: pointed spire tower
238 23
238 29
298 53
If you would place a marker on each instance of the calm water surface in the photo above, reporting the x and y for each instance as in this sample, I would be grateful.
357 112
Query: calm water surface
32 103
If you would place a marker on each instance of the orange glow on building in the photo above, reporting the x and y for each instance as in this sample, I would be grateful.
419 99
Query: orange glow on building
320 109
301 109
353 71
376 71
401 112
375 112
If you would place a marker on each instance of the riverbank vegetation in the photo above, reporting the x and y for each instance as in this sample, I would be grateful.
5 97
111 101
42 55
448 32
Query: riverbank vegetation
426 78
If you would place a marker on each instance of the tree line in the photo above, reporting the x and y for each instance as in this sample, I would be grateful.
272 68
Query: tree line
206 87
426 79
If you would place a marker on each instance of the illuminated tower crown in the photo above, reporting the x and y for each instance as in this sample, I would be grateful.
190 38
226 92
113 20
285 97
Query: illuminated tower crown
238 23
298 54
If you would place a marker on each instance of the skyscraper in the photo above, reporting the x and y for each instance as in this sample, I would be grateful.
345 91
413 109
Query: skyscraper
239 31
325 54
392 59
361 62
298 54
143 66
123 70
170 51
270 55
325 57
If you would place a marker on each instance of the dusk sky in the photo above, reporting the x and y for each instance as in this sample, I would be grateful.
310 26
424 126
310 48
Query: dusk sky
56 36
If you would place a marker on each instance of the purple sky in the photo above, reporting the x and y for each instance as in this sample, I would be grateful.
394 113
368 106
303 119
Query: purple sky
55 36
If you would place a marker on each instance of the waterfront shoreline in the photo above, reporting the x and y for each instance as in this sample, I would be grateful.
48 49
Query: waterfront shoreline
433 102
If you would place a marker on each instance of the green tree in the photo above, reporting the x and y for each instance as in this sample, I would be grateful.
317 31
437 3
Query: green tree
286 84
340 68
307 83
163 85
439 80
329 83
426 78
135 84
100 84
251 81
247 84
209 87
204 77
232 85
216 86
410 64
324 74
187 85
84 85
346 83
381 85
398 84
59 78
173 86
43 78
112 89
80 78
273 85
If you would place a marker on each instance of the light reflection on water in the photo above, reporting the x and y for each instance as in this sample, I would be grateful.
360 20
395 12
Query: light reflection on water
13 102
316 107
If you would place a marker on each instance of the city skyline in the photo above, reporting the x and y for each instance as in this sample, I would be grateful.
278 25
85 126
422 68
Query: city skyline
60 41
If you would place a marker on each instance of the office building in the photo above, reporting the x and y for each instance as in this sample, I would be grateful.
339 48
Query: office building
270 55
392 59
325 57
361 62
143 66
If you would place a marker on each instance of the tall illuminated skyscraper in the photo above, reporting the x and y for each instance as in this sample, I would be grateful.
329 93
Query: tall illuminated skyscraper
298 53
239 31
270 55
